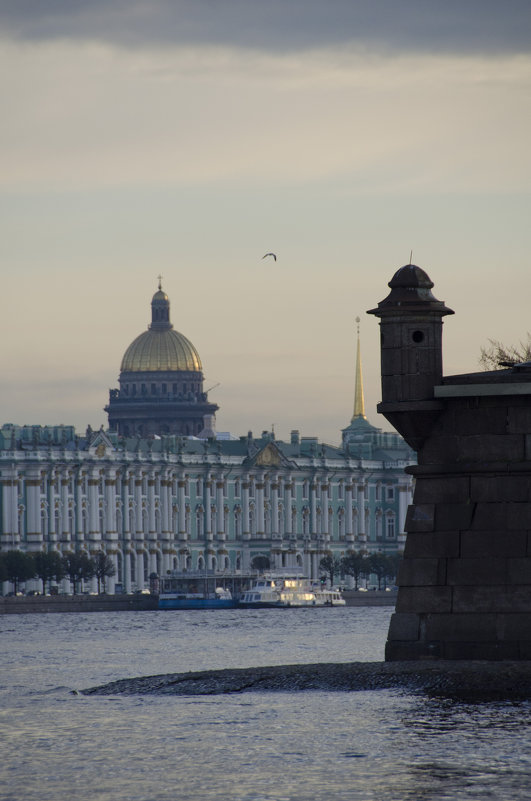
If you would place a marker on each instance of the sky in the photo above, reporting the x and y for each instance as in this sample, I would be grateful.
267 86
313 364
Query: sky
187 138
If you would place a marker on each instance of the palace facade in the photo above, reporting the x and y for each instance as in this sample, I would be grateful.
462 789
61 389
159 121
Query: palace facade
156 501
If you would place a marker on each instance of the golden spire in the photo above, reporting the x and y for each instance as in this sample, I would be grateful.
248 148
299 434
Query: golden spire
359 401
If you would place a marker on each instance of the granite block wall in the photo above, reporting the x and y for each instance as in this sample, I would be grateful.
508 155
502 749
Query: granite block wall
465 579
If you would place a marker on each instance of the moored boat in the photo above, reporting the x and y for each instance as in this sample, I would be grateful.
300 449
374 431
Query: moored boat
199 590
283 591
331 597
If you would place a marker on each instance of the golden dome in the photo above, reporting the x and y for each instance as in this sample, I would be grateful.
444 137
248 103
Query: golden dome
160 348
161 351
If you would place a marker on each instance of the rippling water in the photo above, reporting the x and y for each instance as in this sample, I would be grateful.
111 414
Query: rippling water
314 745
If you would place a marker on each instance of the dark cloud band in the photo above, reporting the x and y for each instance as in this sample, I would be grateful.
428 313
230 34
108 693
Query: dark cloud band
278 25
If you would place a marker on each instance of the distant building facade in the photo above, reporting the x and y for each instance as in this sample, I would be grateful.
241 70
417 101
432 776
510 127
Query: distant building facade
174 502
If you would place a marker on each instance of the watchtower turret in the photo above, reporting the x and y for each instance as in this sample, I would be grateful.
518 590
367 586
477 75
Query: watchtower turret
411 352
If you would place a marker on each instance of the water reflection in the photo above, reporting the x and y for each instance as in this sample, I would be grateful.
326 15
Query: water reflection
463 750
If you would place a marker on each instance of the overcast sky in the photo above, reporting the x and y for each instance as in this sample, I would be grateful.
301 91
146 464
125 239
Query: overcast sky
190 138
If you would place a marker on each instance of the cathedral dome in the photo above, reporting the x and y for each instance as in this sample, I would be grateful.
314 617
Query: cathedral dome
160 348
161 382
161 351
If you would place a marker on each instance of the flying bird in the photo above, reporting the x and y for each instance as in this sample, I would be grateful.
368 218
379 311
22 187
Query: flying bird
270 254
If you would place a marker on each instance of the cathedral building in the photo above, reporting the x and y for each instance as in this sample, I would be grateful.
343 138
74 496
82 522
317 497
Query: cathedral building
161 382
161 491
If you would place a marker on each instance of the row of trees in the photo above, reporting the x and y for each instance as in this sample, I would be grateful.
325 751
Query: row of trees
360 565
50 566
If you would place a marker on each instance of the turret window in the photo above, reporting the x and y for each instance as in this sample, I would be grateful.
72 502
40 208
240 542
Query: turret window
417 336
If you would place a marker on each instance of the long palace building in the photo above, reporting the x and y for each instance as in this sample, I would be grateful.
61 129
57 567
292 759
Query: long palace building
160 490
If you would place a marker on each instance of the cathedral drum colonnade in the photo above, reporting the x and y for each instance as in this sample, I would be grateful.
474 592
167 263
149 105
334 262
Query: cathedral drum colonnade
161 490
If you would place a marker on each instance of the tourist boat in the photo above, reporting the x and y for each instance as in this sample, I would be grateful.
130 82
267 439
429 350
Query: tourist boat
288 591
331 597
197 590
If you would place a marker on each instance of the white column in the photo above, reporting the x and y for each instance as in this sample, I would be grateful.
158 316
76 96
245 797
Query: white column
208 508
274 508
362 535
165 503
53 534
94 534
313 506
246 520
111 535
260 510
349 530
65 534
139 533
152 523
324 509
10 535
110 532
220 509
127 569
33 510
80 537
139 518
288 487
151 506
126 531
181 499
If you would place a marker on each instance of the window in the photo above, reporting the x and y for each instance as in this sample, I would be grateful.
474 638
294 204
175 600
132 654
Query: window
390 527
390 493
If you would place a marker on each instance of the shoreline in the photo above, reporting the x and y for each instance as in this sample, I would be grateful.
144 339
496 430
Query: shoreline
44 604
468 680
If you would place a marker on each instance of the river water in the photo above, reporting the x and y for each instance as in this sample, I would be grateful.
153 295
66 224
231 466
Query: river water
314 745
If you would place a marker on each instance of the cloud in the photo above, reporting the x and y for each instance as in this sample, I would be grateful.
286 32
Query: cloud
116 118
279 25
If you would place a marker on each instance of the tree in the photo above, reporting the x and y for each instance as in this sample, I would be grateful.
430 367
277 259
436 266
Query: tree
77 567
48 567
497 355
355 565
260 563
103 567
19 567
394 561
382 566
332 566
